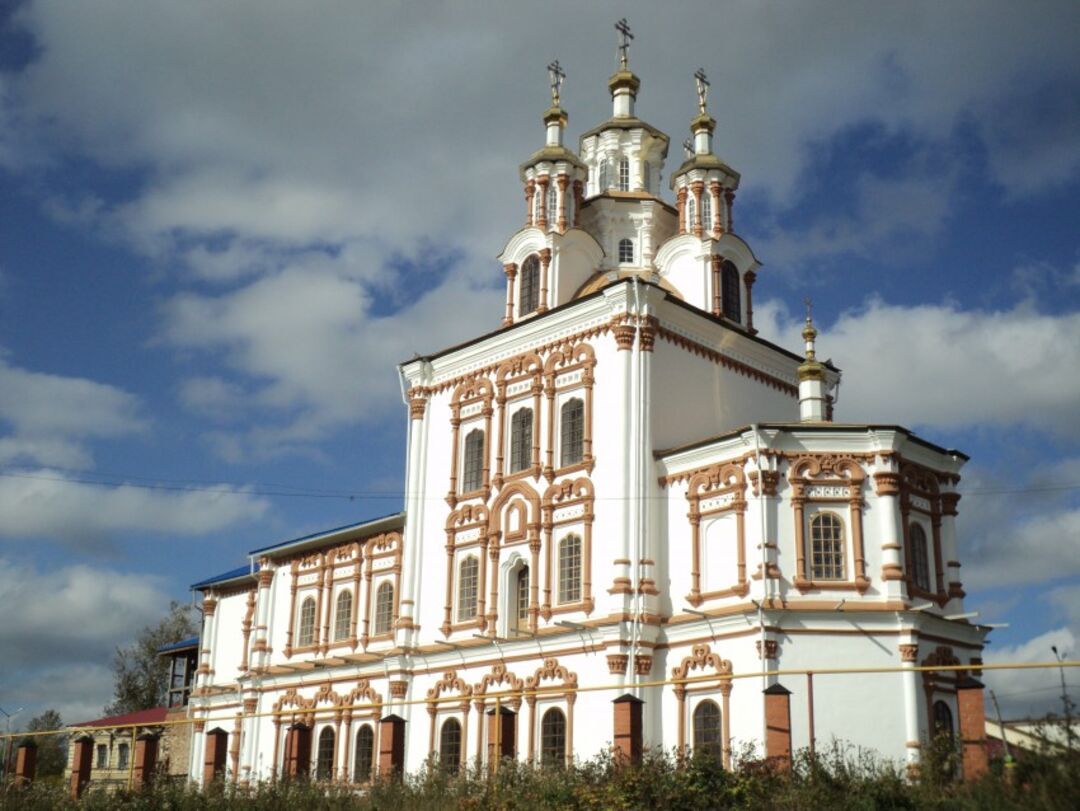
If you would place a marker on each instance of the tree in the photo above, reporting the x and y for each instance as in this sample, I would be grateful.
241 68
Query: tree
51 749
140 674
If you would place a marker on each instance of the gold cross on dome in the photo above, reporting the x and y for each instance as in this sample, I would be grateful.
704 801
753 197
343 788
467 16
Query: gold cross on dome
702 88
809 302
625 37
556 75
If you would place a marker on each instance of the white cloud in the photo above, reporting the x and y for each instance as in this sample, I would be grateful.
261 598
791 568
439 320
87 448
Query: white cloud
46 503
51 416
53 656
315 354
1030 693
939 365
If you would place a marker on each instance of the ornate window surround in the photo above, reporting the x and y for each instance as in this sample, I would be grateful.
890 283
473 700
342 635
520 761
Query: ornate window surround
549 696
560 378
920 498
440 711
382 555
503 681
324 575
828 480
725 484
471 403
567 504
472 521
702 658
522 376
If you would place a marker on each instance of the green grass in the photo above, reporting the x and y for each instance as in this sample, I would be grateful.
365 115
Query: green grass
841 778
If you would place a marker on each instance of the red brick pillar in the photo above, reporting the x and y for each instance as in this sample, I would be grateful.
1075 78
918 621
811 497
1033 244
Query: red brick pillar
391 745
217 741
146 750
628 728
778 725
81 758
25 763
969 699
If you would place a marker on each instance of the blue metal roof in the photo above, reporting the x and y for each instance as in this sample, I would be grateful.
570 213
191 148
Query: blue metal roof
321 533
233 574
191 642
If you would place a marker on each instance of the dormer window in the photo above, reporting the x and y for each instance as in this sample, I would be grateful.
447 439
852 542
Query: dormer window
626 252
529 298
624 174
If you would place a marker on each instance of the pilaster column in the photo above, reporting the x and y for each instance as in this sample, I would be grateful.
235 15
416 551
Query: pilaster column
680 204
410 553
203 672
563 181
511 274
729 198
261 648
748 280
697 187
716 261
887 487
530 199
545 263
579 198
909 652
948 544
717 225
541 215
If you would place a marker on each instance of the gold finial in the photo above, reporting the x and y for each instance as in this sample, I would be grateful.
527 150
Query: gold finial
556 75
702 89
625 37
811 367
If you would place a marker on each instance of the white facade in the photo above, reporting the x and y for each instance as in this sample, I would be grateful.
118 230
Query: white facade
674 486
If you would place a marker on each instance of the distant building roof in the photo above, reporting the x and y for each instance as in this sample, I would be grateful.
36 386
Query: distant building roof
239 573
152 716
190 642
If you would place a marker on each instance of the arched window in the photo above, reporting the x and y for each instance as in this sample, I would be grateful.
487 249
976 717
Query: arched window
570 569
306 634
707 729
521 609
450 745
729 292
826 547
552 205
572 432
624 174
468 588
324 762
529 287
343 616
920 557
691 211
706 212
553 739
364 756
472 477
626 252
521 434
384 608
605 176
943 721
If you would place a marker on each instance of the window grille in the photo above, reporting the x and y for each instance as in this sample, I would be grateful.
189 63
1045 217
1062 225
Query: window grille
122 753
707 729
473 470
572 432
920 557
729 292
570 569
553 739
690 212
384 608
306 635
102 756
706 212
450 746
324 763
343 616
522 598
468 588
363 758
521 431
624 174
552 205
943 720
529 289
626 252
826 547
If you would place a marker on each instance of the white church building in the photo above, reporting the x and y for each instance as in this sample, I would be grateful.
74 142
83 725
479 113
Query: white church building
621 484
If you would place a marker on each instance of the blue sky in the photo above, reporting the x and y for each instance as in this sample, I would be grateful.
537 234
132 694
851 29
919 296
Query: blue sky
222 226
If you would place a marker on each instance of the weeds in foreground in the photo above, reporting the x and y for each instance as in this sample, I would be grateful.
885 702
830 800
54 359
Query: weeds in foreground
839 777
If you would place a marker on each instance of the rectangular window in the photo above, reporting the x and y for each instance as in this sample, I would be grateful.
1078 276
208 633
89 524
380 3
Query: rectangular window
122 756
521 430
472 477
102 756
624 175
570 569
572 432
826 547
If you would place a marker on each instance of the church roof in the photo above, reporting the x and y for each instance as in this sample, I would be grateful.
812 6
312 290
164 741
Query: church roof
824 427
371 526
239 573
183 644
625 123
